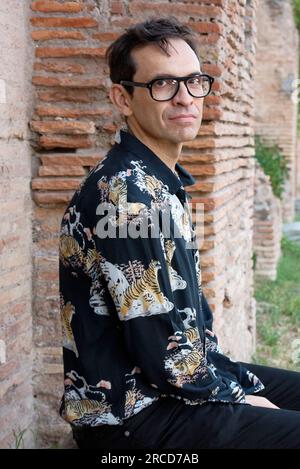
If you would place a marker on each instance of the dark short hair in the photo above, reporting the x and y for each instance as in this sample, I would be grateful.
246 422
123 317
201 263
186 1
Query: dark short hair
153 31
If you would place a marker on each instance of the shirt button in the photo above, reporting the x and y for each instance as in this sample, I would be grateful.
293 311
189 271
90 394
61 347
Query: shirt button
127 433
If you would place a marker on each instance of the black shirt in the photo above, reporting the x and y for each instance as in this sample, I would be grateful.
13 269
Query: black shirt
133 313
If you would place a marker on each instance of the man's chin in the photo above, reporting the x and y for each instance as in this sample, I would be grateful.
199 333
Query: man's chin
186 135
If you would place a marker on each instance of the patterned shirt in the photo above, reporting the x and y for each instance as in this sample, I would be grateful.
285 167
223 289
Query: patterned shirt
133 313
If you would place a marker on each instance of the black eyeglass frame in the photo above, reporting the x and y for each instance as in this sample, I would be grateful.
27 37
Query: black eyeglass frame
178 79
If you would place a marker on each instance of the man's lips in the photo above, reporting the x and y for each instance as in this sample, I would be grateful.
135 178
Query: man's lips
183 117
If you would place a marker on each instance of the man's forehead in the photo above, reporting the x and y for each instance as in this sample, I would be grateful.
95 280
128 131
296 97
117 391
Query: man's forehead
152 59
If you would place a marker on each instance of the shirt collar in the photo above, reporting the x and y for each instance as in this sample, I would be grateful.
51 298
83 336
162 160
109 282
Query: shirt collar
155 166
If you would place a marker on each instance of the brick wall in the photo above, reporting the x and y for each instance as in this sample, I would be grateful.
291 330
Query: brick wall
16 397
276 68
297 191
74 125
221 159
267 227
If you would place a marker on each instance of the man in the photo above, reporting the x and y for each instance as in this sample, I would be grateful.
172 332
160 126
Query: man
142 367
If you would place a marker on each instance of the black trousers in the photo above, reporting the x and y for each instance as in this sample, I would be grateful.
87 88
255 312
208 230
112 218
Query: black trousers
171 424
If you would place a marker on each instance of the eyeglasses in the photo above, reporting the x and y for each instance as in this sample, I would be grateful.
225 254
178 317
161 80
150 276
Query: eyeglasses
165 88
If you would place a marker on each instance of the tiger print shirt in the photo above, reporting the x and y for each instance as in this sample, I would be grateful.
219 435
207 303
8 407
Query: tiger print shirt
134 318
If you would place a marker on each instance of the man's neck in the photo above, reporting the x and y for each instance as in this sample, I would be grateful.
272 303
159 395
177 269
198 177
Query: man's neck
168 152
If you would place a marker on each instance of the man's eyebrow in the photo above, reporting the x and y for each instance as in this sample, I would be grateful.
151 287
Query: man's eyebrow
169 75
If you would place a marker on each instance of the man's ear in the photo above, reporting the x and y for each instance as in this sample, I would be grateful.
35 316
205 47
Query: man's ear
121 99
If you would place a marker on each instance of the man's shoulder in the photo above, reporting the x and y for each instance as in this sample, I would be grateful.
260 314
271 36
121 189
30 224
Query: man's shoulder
119 175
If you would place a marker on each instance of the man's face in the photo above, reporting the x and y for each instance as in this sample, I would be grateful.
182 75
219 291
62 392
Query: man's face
179 119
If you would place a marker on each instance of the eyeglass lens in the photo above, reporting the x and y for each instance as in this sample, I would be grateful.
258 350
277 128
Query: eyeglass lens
163 89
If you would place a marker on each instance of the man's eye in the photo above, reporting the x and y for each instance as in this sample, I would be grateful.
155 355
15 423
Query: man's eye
195 81
164 83
160 83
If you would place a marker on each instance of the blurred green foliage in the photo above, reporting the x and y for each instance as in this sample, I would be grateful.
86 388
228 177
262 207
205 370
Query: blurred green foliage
278 312
296 7
273 163
284 292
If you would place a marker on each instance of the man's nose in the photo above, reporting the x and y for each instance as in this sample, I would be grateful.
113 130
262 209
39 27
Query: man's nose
182 96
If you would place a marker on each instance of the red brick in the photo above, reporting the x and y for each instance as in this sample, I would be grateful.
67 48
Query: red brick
90 7
207 129
220 3
265 230
110 128
48 245
122 23
163 8
70 52
202 186
62 22
208 276
58 67
52 198
63 127
71 159
214 70
43 35
196 158
68 82
71 95
53 6
210 203
207 260
55 183
60 141
208 244
210 39
212 114
265 223
107 36
212 99
203 169
205 28
60 170
233 141
43 276
73 113
201 143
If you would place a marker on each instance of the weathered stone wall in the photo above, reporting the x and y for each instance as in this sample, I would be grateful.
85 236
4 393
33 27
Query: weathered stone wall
16 395
75 123
276 69
267 227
